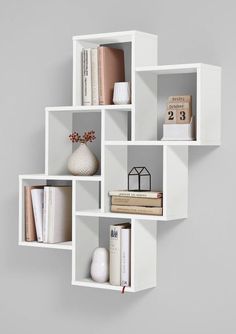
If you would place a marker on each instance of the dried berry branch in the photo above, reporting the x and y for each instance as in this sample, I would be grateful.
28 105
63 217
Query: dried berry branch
88 136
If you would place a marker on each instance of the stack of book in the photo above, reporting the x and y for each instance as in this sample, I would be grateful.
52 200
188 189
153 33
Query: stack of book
101 68
120 244
137 202
48 214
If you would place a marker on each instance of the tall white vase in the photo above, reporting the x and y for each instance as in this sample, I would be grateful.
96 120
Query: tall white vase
82 161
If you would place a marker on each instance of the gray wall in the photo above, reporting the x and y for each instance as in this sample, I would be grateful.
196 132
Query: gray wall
196 258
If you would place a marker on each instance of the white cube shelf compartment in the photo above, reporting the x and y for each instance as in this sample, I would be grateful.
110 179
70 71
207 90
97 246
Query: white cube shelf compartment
168 166
60 122
203 82
91 232
39 180
127 136
140 49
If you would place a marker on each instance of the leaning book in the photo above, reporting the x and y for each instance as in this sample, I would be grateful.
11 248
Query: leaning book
30 230
37 200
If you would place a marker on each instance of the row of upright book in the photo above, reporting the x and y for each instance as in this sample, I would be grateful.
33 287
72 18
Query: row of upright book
101 68
48 214
137 202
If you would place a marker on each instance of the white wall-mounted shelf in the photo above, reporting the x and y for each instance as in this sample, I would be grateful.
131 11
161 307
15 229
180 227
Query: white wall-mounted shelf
127 135
62 245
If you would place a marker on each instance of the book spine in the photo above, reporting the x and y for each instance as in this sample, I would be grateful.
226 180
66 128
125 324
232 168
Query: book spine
101 76
125 256
141 194
137 210
45 214
115 258
119 200
51 214
30 231
180 99
87 77
94 64
37 200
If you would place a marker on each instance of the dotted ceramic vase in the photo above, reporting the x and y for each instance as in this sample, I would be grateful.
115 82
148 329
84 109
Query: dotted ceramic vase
82 161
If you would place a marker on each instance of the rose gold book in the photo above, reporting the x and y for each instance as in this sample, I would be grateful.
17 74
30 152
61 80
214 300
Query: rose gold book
30 230
111 70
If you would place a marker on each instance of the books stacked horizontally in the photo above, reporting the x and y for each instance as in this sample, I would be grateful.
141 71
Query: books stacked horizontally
137 202
120 243
101 68
48 214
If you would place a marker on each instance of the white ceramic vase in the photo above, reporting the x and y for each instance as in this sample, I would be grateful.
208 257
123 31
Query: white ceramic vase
82 161
121 94
100 265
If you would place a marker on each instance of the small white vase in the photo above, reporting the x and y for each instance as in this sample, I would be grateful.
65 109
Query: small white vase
100 265
82 161
121 93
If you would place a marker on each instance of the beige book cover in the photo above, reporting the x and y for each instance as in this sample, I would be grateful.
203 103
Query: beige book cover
137 210
136 201
30 229
111 70
94 65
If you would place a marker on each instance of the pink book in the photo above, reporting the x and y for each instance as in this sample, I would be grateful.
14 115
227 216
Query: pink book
111 70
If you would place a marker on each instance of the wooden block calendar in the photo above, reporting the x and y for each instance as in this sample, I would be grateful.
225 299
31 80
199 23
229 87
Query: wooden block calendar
179 110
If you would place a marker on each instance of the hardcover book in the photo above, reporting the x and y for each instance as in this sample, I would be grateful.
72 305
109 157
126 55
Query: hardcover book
137 210
59 215
111 70
87 77
125 256
115 253
37 200
30 229
136 201
141 194
95 84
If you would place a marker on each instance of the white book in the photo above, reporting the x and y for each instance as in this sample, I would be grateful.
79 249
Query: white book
87 77
45 214
141 194
115 236
94 65
125 256
59 214
37 201
115 253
